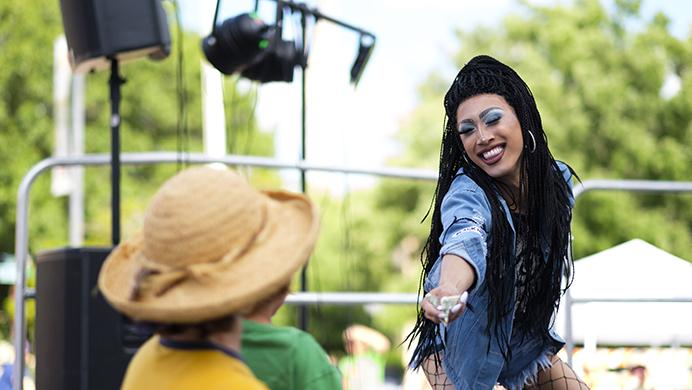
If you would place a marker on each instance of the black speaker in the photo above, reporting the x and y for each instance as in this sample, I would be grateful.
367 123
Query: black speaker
97 30
81 342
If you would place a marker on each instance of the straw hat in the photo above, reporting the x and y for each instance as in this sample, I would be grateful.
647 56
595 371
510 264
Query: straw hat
211 246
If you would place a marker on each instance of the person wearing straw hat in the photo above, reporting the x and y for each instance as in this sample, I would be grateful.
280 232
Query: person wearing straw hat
211 247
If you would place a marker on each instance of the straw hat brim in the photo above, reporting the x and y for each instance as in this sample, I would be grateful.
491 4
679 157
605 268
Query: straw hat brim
267 266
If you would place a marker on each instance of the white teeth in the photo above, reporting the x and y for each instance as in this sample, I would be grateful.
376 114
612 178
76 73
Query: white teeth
492 152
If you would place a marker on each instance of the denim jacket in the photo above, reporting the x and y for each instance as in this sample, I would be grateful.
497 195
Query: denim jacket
466 220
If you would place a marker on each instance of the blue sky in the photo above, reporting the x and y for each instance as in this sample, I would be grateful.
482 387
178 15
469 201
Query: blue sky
356 127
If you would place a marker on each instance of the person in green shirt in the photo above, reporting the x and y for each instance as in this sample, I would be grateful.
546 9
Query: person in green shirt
283 357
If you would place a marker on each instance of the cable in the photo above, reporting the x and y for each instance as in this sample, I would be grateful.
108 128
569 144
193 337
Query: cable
250 117
232 128
182 130
349 261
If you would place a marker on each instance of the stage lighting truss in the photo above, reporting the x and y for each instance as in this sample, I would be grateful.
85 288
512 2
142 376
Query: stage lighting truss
247 45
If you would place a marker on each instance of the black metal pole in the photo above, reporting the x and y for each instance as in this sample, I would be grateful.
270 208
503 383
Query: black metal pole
216 15
304 9
303 309
115 82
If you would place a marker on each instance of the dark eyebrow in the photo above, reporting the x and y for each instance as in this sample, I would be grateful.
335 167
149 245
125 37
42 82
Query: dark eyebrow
481 115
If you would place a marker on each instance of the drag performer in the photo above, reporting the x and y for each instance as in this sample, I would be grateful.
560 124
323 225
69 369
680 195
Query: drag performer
499 242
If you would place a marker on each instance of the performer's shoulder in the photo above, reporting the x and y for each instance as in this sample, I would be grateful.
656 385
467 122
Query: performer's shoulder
463 182
566 171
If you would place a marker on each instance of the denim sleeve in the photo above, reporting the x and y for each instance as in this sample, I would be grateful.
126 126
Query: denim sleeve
466 223
567 175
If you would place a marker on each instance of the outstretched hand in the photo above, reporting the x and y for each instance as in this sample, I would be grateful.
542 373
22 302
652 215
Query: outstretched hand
444 304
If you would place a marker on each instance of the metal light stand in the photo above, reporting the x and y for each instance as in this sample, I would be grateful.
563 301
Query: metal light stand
304 11
114 82
303 309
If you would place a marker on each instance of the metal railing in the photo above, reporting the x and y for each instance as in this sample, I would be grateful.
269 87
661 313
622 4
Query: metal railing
616 185
351 298
336 298
22 231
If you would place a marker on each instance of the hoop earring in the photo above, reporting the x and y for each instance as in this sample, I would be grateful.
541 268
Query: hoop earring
533 149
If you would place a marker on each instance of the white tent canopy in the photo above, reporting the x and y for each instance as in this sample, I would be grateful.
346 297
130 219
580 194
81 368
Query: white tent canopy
634 269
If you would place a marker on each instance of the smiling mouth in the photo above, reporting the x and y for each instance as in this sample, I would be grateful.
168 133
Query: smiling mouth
493 155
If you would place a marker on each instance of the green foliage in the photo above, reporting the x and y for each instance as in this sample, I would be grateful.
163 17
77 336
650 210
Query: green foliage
150 122
25 109
598 87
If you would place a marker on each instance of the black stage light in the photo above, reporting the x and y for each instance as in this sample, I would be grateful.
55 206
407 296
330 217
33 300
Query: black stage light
365 47
276 64
237 43
247 45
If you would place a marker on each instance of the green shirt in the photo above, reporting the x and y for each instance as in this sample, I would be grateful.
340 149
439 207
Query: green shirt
287 358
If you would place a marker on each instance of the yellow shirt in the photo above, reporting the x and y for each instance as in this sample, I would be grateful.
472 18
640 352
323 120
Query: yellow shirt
186 367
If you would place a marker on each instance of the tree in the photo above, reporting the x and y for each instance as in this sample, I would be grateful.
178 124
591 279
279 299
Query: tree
25 110
149 111
598 87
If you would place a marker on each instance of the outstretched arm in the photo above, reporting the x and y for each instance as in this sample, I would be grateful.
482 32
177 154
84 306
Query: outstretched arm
456 277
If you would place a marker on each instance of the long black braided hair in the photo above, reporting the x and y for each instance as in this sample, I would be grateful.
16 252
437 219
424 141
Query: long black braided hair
544 199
